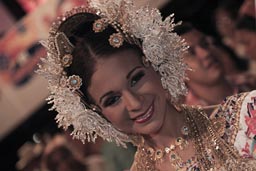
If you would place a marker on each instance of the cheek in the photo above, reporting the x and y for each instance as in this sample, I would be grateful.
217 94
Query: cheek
253 43
194 74
119 119
114 115
194 65
154 80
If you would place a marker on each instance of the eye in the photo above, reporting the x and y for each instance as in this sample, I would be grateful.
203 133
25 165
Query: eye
136 78
191 50
111 101
204 43
207 42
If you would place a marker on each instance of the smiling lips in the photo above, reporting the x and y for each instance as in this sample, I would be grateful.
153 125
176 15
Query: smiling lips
145 116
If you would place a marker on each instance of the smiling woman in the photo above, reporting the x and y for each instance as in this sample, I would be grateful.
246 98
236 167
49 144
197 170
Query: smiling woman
130 98
118 73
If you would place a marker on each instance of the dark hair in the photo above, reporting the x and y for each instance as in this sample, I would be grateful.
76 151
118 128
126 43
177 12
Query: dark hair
231 7
183 28
247 23
89 46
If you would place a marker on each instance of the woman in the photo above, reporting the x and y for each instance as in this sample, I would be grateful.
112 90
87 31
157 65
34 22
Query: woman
133 78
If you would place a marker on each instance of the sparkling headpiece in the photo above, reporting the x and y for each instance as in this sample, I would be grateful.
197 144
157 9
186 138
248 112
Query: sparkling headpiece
162 48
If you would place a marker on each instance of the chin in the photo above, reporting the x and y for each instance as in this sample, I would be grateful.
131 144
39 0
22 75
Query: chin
153 128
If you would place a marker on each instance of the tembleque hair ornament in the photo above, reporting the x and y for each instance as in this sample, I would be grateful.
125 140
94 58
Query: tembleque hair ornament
144 27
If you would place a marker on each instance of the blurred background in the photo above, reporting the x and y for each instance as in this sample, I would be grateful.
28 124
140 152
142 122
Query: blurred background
29 137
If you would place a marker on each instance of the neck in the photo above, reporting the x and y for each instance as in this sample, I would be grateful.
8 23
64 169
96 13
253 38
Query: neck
212 94
170 130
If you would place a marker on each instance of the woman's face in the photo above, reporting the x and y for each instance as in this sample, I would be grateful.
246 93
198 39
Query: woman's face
204 58
247 40
247 8
130 95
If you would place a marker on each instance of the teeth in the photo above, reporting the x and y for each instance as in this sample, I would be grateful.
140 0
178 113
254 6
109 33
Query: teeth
146 115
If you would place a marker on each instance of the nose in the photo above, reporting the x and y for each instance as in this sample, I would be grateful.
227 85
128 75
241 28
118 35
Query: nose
133 101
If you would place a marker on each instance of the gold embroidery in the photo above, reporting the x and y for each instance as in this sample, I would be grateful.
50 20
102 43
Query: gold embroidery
212 152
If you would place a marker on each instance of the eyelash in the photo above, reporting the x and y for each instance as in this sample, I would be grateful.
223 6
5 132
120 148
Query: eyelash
205 43
113 99
137 78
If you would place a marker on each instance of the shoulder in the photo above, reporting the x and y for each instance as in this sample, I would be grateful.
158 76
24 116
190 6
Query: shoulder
132 167
136 165
243 82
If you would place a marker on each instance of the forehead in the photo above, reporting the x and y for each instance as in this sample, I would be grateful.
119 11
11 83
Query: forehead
192 37
121 60
112 70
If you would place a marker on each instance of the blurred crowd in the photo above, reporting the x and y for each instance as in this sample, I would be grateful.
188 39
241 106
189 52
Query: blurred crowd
60 152
222 64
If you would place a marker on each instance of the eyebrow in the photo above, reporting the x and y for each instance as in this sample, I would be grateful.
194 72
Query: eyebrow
204 38
130 73
127 77
106 94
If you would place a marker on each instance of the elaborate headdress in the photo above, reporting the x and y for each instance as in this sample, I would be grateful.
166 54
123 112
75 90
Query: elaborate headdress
144 27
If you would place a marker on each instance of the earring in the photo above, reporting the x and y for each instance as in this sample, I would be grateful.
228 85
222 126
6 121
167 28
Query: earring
145 62
168 96
95 108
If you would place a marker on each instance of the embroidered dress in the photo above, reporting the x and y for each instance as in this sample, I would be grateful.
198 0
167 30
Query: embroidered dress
240 113
237 149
